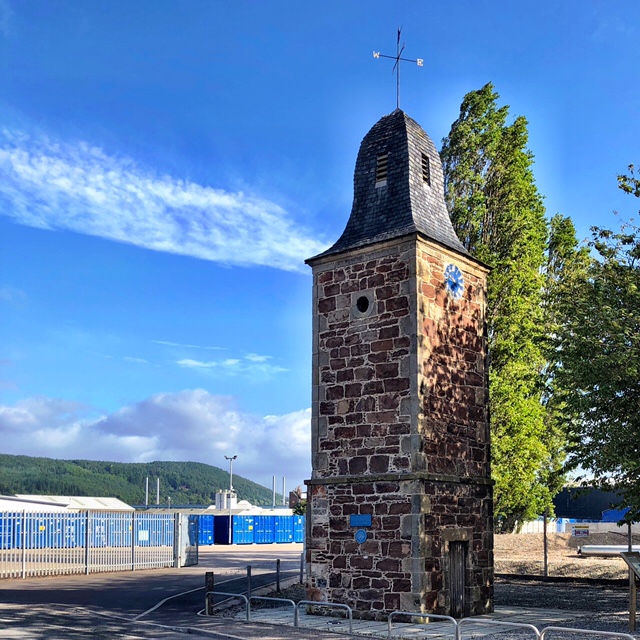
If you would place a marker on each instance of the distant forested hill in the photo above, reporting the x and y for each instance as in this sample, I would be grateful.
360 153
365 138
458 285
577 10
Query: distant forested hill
185 482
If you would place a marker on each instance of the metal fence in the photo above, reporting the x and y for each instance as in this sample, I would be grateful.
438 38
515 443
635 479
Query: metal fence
59 543
439 625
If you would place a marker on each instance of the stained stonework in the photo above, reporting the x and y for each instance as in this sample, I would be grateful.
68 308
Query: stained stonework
399 418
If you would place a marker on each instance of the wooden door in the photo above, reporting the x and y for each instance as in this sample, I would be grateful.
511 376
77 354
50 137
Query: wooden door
457 571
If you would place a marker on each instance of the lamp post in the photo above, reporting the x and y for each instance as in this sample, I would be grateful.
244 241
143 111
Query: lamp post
230 459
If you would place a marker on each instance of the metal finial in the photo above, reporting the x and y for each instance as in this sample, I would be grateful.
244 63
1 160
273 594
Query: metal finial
396 65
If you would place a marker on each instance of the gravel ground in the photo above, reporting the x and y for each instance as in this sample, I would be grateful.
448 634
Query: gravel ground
533 594
616 623
522 554
608 606
567 596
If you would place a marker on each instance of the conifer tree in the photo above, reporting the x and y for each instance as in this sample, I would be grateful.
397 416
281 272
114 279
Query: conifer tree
499 216
567 265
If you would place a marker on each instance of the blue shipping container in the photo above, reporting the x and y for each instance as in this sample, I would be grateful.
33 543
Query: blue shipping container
264 529
193 530
298 528
154 530
65 530
8 534
284 528
205 529
74 530
242 530
41 530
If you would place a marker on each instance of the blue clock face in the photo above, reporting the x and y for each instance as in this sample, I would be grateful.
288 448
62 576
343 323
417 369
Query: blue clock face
454 281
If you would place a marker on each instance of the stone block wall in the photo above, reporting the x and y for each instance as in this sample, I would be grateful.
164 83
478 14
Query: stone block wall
364 363
370 577
399 431
452 380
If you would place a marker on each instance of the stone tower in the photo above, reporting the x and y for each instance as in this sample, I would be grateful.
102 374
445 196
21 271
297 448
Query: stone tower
400 500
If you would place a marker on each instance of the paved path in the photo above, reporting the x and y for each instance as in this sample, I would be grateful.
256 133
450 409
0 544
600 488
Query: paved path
165 604
131 605
504 619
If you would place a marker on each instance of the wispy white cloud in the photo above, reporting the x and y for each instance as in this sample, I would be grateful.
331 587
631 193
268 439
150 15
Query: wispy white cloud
189 363
255 369
254 357
210 426
136 360
57 185
166 343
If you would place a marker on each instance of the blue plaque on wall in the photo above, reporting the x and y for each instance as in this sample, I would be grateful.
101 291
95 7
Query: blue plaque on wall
360 520
361 536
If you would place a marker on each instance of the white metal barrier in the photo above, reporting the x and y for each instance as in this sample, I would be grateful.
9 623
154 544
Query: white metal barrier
500 623
315 603
61 543
416 614
458 625
284 601
208 605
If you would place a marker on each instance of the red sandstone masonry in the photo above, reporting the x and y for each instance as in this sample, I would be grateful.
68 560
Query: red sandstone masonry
361 357
399 391
399 426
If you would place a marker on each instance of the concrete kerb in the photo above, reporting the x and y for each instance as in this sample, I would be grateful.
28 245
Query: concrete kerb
260 591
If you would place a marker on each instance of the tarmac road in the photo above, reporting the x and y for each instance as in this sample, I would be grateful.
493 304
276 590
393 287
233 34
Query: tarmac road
40 622
159 603
164 603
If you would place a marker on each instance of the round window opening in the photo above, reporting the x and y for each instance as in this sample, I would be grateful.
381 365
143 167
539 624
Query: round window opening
362 303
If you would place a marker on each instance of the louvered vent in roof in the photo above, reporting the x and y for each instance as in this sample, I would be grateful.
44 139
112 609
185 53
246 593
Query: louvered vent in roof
426 169
381 168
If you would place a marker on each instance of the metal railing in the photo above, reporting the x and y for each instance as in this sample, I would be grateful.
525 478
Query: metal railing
282 600
208 605
458 625
416 614
499 623
61 543
315 603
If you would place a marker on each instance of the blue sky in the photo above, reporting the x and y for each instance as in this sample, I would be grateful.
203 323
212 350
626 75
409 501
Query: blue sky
166 167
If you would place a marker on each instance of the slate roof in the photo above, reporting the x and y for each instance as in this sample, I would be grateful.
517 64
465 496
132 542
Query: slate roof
406 204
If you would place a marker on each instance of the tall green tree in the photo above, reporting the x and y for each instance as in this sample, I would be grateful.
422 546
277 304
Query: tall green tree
499 216
600 360
567 264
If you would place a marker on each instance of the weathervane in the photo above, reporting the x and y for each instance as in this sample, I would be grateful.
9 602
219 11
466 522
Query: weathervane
396 66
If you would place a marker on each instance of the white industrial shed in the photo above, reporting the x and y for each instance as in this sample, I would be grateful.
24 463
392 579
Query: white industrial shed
62 503
39 504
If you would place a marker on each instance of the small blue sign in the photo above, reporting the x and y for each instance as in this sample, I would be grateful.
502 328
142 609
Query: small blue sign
361 536
360 520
